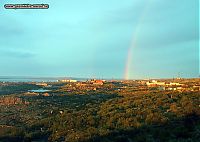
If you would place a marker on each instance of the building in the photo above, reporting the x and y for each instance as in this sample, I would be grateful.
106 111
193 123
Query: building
171 88
154 83
97 82
42 84
67 80
174 84
46 94
165 85
196 88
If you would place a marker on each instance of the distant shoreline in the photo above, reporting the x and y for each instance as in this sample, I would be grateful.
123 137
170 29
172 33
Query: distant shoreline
34 79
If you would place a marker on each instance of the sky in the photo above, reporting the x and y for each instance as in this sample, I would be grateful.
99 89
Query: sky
130 39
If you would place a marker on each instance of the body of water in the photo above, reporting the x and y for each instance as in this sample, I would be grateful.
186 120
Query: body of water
39 91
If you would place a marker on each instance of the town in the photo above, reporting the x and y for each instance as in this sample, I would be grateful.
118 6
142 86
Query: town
99 110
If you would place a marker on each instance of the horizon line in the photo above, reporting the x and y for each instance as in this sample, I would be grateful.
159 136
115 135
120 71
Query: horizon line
100 78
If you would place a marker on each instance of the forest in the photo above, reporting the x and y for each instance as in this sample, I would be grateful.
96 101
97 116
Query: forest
112 115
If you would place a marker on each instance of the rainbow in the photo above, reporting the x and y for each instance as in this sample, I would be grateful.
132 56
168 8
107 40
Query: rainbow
133 44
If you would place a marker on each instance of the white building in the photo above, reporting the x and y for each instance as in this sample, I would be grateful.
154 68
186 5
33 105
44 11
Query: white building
67 80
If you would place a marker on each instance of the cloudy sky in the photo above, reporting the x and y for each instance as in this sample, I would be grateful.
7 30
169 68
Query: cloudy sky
101 39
